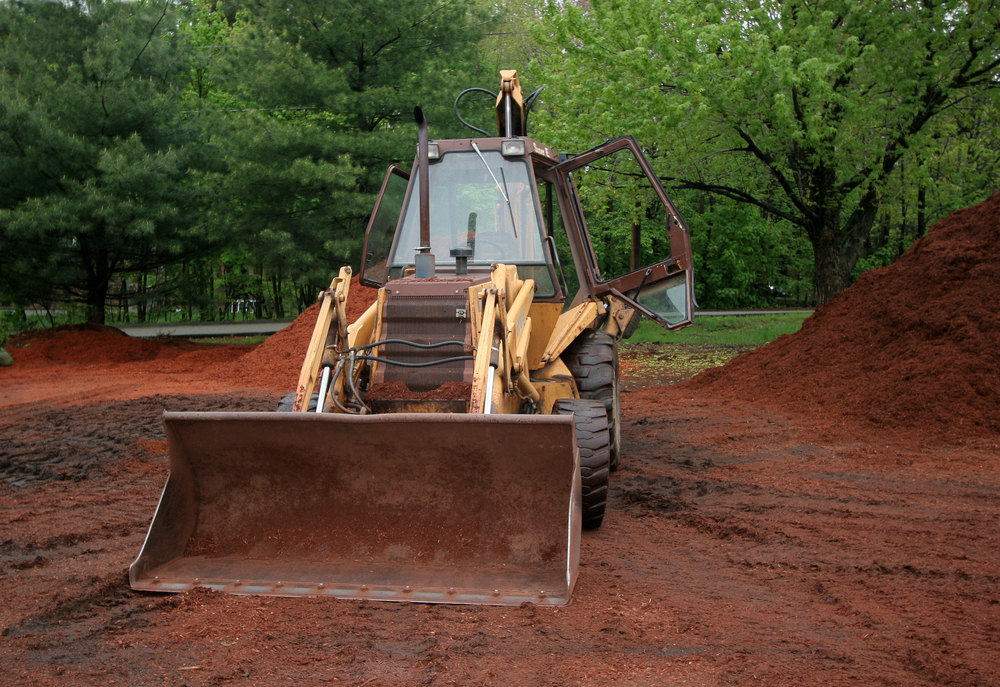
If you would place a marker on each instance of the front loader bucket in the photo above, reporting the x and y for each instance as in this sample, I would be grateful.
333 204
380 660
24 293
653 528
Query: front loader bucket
454 508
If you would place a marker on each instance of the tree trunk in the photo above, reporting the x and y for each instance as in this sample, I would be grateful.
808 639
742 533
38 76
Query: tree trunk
636 256
123 301
141 300
832 264
279 306
832 273
99 268
837 247
97 296
883 235
921 211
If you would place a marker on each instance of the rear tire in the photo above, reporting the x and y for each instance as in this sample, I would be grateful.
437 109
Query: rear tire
593 441
593 360
288 401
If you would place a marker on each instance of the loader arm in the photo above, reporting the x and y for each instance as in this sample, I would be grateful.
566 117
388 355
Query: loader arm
500 374
330 330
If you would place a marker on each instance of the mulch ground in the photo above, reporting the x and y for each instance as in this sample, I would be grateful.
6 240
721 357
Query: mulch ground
823 510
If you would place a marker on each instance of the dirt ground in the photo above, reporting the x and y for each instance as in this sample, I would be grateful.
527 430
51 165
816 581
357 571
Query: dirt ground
743 545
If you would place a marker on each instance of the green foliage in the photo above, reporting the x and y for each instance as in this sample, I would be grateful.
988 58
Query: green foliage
227 155
390 56
95 170
136 143
508 43
801 109
959 170
617 199
308 104
744 260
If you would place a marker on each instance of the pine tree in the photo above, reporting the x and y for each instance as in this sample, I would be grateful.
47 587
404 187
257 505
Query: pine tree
95 164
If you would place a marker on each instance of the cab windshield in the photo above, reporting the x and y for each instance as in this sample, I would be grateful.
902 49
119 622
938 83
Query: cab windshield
482 204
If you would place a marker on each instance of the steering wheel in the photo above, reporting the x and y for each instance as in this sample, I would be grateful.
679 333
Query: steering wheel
494 252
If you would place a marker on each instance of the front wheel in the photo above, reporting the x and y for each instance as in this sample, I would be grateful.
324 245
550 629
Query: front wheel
593 360
288 401
593 442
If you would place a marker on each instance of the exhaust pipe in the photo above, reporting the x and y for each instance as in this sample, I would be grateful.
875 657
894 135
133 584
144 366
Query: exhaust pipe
424 260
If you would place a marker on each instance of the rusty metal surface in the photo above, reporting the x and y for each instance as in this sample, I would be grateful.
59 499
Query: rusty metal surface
403 507
533 148
440 286
426 311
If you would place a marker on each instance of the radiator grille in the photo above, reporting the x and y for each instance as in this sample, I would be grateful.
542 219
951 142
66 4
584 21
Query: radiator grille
425 319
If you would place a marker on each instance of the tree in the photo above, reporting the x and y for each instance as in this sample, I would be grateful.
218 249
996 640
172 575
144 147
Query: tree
94 166
308 104
803 109
508 43
390 56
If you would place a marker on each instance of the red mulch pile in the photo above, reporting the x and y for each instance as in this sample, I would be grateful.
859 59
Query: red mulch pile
912 345
275 364
80 344
85 345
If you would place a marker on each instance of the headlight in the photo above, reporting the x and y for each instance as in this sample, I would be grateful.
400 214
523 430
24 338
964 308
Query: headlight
512 147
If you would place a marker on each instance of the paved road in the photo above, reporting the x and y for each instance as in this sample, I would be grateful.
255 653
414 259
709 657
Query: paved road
744 313
195 330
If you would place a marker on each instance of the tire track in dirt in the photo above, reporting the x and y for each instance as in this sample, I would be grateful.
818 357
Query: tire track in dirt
912 547
41 444
740 547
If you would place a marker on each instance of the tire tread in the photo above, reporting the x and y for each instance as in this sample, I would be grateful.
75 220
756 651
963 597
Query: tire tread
592 440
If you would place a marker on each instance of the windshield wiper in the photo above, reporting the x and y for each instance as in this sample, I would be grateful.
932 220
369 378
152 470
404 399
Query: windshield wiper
506 197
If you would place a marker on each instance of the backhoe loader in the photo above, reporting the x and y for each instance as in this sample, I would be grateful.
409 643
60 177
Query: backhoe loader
450 444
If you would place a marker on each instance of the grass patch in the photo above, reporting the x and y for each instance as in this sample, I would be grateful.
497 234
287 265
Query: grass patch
653 364
742 330
655 356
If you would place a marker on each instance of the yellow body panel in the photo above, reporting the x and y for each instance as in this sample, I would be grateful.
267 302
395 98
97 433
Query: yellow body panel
483 351
569 326
543 322
553 382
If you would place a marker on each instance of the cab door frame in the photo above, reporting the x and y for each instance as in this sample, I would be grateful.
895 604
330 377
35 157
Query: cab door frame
627 287
368 262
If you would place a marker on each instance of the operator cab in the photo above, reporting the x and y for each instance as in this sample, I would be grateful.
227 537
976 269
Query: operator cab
484 209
